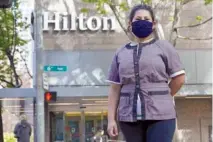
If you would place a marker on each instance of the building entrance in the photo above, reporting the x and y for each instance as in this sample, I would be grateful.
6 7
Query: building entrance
77 126
84 120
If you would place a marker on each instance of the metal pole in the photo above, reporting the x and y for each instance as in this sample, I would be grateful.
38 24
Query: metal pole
38 36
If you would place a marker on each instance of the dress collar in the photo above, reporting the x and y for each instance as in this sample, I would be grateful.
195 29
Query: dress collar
133 45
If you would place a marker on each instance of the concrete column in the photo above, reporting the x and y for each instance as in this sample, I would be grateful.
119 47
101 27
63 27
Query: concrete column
82 126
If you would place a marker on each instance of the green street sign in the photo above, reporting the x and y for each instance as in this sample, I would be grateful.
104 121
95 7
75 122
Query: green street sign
52 68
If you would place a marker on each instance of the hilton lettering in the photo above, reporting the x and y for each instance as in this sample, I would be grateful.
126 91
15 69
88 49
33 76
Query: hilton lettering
73 23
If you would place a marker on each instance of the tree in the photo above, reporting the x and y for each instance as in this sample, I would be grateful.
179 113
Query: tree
120 8
12 23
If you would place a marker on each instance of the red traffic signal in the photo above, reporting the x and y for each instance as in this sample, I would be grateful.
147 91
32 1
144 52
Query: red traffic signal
5 3
50 96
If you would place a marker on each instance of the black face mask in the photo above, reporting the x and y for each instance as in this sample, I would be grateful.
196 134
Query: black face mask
142 28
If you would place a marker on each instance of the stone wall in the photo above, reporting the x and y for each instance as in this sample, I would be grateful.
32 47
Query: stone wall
194 117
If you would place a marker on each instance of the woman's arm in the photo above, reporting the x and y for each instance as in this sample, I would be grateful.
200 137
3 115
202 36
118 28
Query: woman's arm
114 94
176 83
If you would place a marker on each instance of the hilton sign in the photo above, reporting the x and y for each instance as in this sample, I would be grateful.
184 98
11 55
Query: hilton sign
71 22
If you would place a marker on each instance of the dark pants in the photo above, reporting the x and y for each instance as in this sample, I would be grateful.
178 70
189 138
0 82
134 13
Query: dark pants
148 130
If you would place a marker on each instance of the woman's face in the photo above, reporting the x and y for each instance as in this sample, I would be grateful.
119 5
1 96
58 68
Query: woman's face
142 15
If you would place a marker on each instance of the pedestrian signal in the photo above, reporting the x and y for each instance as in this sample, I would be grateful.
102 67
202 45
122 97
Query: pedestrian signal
50 96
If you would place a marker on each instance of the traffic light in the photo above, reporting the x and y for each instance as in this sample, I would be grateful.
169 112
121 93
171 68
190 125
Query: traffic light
50 96
5 3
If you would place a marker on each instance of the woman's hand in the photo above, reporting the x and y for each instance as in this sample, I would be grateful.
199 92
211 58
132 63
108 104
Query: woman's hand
114 94
112 128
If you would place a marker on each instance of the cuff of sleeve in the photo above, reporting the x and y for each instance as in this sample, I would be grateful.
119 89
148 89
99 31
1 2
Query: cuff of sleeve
109 81
177 73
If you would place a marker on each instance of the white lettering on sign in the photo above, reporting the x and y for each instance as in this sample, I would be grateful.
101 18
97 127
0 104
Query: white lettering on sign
66 22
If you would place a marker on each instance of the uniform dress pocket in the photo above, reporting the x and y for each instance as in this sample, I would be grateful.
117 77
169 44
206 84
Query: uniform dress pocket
125 107
161 102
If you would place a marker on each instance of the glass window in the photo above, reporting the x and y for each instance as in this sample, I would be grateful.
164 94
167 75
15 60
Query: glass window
17 115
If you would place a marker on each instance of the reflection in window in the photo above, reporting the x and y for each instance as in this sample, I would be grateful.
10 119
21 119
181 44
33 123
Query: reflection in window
13 111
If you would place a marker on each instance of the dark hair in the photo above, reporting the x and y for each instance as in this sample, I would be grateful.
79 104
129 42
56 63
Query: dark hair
139 7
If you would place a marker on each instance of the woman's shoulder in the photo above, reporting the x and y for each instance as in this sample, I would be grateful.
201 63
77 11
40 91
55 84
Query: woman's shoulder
164 42
128 45
165 45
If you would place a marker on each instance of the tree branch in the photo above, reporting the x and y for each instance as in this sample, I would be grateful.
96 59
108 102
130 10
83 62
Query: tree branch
175 20
189 38
13 68
7 82
193 38
195 25
25 64
2 86
21 82
113 8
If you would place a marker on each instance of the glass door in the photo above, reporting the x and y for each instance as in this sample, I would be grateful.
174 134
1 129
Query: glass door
96 125
72 127
56 127
84 126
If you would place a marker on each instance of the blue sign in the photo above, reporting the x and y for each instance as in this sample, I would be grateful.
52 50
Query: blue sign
52 68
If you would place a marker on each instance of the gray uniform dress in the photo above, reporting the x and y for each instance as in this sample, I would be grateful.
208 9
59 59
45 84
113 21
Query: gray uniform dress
143 70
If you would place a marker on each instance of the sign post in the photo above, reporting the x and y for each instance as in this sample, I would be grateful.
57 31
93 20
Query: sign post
38 45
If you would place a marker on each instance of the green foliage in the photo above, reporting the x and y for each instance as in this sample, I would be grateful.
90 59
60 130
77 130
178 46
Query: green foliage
12 23
208 2
171 18
99 6
9 137
84 10
199 18
8 31
147 2
123 6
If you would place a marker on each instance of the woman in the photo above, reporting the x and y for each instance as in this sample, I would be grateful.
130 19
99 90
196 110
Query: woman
140 96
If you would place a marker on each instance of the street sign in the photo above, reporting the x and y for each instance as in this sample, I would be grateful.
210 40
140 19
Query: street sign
52 68
45 81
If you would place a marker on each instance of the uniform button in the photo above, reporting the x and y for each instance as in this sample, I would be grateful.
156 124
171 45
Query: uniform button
137 86
136 63
137 74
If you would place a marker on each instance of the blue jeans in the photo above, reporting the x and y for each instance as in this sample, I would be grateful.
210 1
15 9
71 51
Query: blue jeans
149 130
